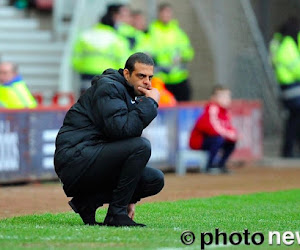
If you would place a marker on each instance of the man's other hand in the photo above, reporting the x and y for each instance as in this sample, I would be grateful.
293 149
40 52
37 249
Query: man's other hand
131 210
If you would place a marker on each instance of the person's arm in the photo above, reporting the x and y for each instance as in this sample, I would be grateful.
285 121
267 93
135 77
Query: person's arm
228 133
113 117
186 49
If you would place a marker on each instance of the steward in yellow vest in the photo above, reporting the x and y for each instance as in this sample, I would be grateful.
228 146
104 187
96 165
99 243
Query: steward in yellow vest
171 50
285 56
14 93
142 37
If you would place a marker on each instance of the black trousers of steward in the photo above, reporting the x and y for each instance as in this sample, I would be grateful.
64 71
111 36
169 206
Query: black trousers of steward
119 176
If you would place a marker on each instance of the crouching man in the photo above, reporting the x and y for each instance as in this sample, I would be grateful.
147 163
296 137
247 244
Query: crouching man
100 156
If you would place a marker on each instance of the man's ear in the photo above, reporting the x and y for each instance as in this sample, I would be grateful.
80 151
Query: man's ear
126 74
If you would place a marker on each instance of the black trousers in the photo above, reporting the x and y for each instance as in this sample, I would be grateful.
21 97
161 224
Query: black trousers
291 132
214 145
119 175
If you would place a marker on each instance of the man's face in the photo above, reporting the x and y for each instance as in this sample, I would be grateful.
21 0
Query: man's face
139 22
165 15
223 98
6 73
140 77
124 15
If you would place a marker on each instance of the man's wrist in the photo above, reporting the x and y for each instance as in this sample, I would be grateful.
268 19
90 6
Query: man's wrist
155 102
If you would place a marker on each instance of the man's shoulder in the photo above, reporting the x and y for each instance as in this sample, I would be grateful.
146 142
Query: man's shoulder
212 107
110 80
108 76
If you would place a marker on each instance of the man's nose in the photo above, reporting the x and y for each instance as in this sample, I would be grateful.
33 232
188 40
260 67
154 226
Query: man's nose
147 81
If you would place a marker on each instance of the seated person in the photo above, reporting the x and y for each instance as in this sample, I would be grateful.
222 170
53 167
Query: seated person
14 93
214 132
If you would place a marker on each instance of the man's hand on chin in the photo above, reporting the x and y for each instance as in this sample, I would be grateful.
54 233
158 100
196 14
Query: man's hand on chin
152 92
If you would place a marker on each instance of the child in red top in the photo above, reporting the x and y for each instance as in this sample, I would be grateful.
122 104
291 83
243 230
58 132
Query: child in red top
213 130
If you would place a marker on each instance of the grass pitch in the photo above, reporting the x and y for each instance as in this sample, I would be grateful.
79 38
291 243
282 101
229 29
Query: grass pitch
261 212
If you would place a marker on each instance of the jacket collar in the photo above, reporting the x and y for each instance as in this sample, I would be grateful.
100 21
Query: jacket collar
18 78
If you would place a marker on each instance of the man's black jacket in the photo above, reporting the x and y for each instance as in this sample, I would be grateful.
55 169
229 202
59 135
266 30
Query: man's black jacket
107 111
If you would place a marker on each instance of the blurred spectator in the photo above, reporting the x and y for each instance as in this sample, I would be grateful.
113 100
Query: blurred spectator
123 24
142 38
171 51
285 55
13 90
99 48
214 132
139 20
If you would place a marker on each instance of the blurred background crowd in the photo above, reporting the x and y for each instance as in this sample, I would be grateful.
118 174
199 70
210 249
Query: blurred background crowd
57 46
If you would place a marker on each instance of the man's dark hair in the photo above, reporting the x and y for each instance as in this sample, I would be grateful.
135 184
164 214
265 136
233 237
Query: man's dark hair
138 57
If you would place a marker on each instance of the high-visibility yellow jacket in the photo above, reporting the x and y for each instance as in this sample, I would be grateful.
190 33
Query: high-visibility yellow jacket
171 50
15 94
128 32
99 48
143 42
285 55
138 40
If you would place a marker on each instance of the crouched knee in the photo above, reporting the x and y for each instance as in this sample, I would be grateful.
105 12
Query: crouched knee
142 145
158 181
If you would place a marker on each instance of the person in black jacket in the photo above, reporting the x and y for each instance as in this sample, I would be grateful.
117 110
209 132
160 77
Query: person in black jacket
100 156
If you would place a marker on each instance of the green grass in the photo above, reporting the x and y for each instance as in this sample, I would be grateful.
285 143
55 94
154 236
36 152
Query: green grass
262 212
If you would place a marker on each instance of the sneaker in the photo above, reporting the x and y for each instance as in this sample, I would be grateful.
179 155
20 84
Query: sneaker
120 220
213 171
